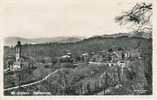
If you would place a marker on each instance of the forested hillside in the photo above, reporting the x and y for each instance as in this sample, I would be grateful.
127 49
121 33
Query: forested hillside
141 70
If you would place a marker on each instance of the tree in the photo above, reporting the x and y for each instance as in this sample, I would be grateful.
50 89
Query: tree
139 17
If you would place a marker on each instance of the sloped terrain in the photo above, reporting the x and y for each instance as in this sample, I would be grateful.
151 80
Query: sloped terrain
89 79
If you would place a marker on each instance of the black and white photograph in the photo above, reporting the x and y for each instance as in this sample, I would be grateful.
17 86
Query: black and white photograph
77 47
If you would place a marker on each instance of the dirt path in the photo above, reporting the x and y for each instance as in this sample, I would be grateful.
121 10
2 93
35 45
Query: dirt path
33 83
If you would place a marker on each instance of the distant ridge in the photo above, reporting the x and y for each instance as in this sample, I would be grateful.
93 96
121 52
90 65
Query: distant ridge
11 41
135 34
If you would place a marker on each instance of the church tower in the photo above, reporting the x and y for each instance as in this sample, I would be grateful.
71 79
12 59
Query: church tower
18 51
17 64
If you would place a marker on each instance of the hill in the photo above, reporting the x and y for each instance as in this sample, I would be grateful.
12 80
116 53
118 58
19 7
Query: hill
131 34
11 41
87 45
138 75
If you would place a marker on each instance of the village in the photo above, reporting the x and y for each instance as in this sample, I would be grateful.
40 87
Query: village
93 70
111 57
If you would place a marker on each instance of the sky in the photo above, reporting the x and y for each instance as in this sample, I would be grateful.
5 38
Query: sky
52 18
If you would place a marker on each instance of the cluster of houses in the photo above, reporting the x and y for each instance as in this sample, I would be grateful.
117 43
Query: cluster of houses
111 57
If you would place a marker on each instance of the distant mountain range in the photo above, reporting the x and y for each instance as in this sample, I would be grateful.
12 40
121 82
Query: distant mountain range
11 41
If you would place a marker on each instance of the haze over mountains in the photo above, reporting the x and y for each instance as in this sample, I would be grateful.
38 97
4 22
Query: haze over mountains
11 41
